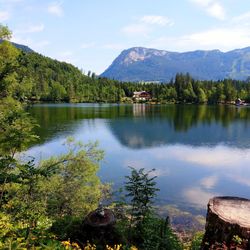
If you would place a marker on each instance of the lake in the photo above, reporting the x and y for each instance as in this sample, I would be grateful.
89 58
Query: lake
198 151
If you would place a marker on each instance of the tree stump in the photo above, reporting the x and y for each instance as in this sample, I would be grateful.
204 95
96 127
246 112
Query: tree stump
98 227
227 224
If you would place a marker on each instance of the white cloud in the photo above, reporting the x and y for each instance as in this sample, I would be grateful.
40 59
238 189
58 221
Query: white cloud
158 20
213 8
240 179
4 16
198 196
136 29
30 29
219 157
209 182
224 38
138 164
144 25
55 8
35 45
216 10
35 28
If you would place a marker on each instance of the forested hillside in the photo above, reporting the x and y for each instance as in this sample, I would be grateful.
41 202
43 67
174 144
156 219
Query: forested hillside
35 77
43 79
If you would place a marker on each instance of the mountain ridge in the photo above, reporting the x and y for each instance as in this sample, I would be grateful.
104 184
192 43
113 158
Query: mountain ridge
22 47
147 64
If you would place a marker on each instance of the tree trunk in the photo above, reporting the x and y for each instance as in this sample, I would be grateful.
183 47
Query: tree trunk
228 224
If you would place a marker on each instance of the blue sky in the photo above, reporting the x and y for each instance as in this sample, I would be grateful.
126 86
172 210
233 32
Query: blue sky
91 33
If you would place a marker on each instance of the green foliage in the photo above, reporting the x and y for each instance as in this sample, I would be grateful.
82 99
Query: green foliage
67 227
8 68
57 193
16 127
52 245
196 241
5 33
35 196
157 234
74 188
237 239
140 187
145 229
16 132
57 92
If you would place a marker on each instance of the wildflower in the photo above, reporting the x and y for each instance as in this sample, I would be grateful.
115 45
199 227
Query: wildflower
133 248
66 243
90 247
75 245
116 247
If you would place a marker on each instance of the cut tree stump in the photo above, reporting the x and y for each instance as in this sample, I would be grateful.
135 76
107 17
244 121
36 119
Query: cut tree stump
227 224
98 227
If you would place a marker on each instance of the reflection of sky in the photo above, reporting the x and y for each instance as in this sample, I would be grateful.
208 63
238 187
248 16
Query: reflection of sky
187 176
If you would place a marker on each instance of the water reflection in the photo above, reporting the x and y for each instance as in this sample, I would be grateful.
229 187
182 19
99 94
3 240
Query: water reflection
198 151
193 125
139 126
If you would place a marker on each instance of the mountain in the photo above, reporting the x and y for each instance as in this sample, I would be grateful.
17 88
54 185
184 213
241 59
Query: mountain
143 64
21 47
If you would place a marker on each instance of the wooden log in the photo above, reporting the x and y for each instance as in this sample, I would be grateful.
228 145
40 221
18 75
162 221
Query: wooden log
227 224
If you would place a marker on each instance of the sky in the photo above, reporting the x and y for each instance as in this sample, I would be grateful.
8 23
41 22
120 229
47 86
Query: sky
90 34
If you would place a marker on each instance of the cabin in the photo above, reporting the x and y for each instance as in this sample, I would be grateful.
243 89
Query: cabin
141 96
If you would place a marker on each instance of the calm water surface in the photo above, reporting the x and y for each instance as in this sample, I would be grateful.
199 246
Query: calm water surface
198 151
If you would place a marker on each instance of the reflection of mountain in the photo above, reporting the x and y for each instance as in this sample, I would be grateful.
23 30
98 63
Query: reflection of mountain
139 126
193 125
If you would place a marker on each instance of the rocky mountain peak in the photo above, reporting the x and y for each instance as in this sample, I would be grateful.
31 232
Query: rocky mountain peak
140 54
143 64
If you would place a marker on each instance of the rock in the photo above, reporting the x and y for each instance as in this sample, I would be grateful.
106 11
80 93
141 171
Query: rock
227 224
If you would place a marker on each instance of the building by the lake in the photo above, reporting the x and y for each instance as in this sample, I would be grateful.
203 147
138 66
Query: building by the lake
141 96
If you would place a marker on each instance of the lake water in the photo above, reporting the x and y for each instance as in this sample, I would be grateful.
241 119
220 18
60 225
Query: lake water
198 151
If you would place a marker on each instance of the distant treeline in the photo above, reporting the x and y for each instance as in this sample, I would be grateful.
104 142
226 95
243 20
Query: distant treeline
39 78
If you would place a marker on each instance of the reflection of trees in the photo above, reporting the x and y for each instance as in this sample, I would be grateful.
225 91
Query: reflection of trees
62 118
188 116
144 125
187 124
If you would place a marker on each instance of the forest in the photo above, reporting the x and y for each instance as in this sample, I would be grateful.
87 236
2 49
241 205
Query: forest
29 76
